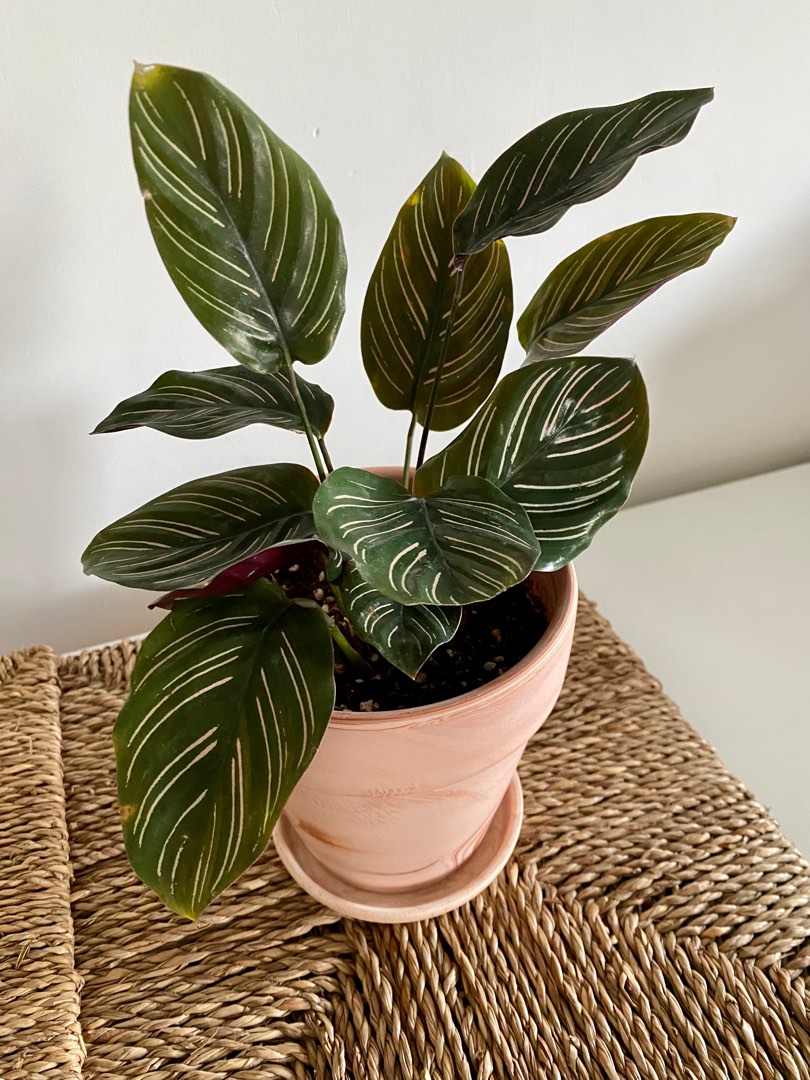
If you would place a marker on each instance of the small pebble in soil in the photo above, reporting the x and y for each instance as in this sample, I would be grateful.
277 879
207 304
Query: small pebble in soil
490 665
318 594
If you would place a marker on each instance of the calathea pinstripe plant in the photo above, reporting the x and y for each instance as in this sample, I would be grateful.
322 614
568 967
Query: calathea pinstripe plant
232 692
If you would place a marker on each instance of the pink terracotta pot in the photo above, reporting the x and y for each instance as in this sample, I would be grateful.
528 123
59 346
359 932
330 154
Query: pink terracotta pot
396 804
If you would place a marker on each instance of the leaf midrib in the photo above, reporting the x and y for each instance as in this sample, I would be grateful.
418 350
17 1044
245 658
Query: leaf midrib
260 527
424 367
214 190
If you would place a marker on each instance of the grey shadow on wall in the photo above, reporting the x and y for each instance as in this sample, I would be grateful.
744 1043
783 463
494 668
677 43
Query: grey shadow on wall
745 372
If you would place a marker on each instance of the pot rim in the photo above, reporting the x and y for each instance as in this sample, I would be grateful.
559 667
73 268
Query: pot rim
552 638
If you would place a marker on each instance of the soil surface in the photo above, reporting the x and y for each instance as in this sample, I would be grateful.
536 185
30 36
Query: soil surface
493 636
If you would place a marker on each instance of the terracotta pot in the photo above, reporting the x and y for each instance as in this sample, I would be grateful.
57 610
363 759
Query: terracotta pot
396 804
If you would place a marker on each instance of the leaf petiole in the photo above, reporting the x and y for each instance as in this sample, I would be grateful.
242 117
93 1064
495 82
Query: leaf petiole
326 458
345 646
406 468
310 434
434 393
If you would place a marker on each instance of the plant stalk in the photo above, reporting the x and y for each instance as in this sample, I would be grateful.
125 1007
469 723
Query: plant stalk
327 459
434 393
406 468
348 650
296 389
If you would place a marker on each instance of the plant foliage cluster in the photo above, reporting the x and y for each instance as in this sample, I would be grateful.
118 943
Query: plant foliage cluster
232 692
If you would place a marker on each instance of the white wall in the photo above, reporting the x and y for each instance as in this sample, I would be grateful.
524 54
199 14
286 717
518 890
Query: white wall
370 92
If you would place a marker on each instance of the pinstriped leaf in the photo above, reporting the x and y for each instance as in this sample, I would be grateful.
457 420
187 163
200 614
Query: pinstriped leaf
573 158
564 439
604 280
405 636
185 537
406 314
464 543
204 404
230 698
242 223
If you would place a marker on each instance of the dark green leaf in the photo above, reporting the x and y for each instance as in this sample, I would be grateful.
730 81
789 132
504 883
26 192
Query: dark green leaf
242 223
204 404
464 543
564 439
230 698
185 537
406 314
570 159
405 636
604 280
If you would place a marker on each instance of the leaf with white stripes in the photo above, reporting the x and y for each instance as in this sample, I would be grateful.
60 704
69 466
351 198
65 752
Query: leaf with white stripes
204 404
464 543
604 280
405 636
230 698
244 226
185 537
406 315
571 159
564 439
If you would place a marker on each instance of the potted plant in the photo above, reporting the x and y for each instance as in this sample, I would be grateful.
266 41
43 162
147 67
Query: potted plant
438 596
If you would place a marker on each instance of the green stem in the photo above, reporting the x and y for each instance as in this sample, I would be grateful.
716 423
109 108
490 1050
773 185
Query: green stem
434 393
406 468
327 460
348 650
313 443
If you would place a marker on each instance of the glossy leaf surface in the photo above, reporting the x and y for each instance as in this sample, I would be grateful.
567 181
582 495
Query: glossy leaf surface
571 159
244 226
204 404
405 636
185 537
604 280
406 314
230 699
466 542
563 438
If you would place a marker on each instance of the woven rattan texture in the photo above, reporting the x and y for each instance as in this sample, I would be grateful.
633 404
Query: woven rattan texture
39 990
654 923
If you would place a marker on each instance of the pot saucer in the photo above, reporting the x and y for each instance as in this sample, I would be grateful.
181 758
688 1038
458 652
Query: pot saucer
465 882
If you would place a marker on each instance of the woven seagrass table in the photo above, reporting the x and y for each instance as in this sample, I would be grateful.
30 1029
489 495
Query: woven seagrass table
654 921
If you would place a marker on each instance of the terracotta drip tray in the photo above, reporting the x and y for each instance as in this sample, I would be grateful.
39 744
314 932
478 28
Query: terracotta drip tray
469 879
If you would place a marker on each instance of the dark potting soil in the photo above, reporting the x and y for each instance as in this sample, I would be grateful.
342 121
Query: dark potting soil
493 636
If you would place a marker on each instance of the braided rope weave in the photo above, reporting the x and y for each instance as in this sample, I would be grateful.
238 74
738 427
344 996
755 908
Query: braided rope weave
39 985
654 922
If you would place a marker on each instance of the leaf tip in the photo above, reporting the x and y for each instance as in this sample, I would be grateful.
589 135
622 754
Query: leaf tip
188 913
146 75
